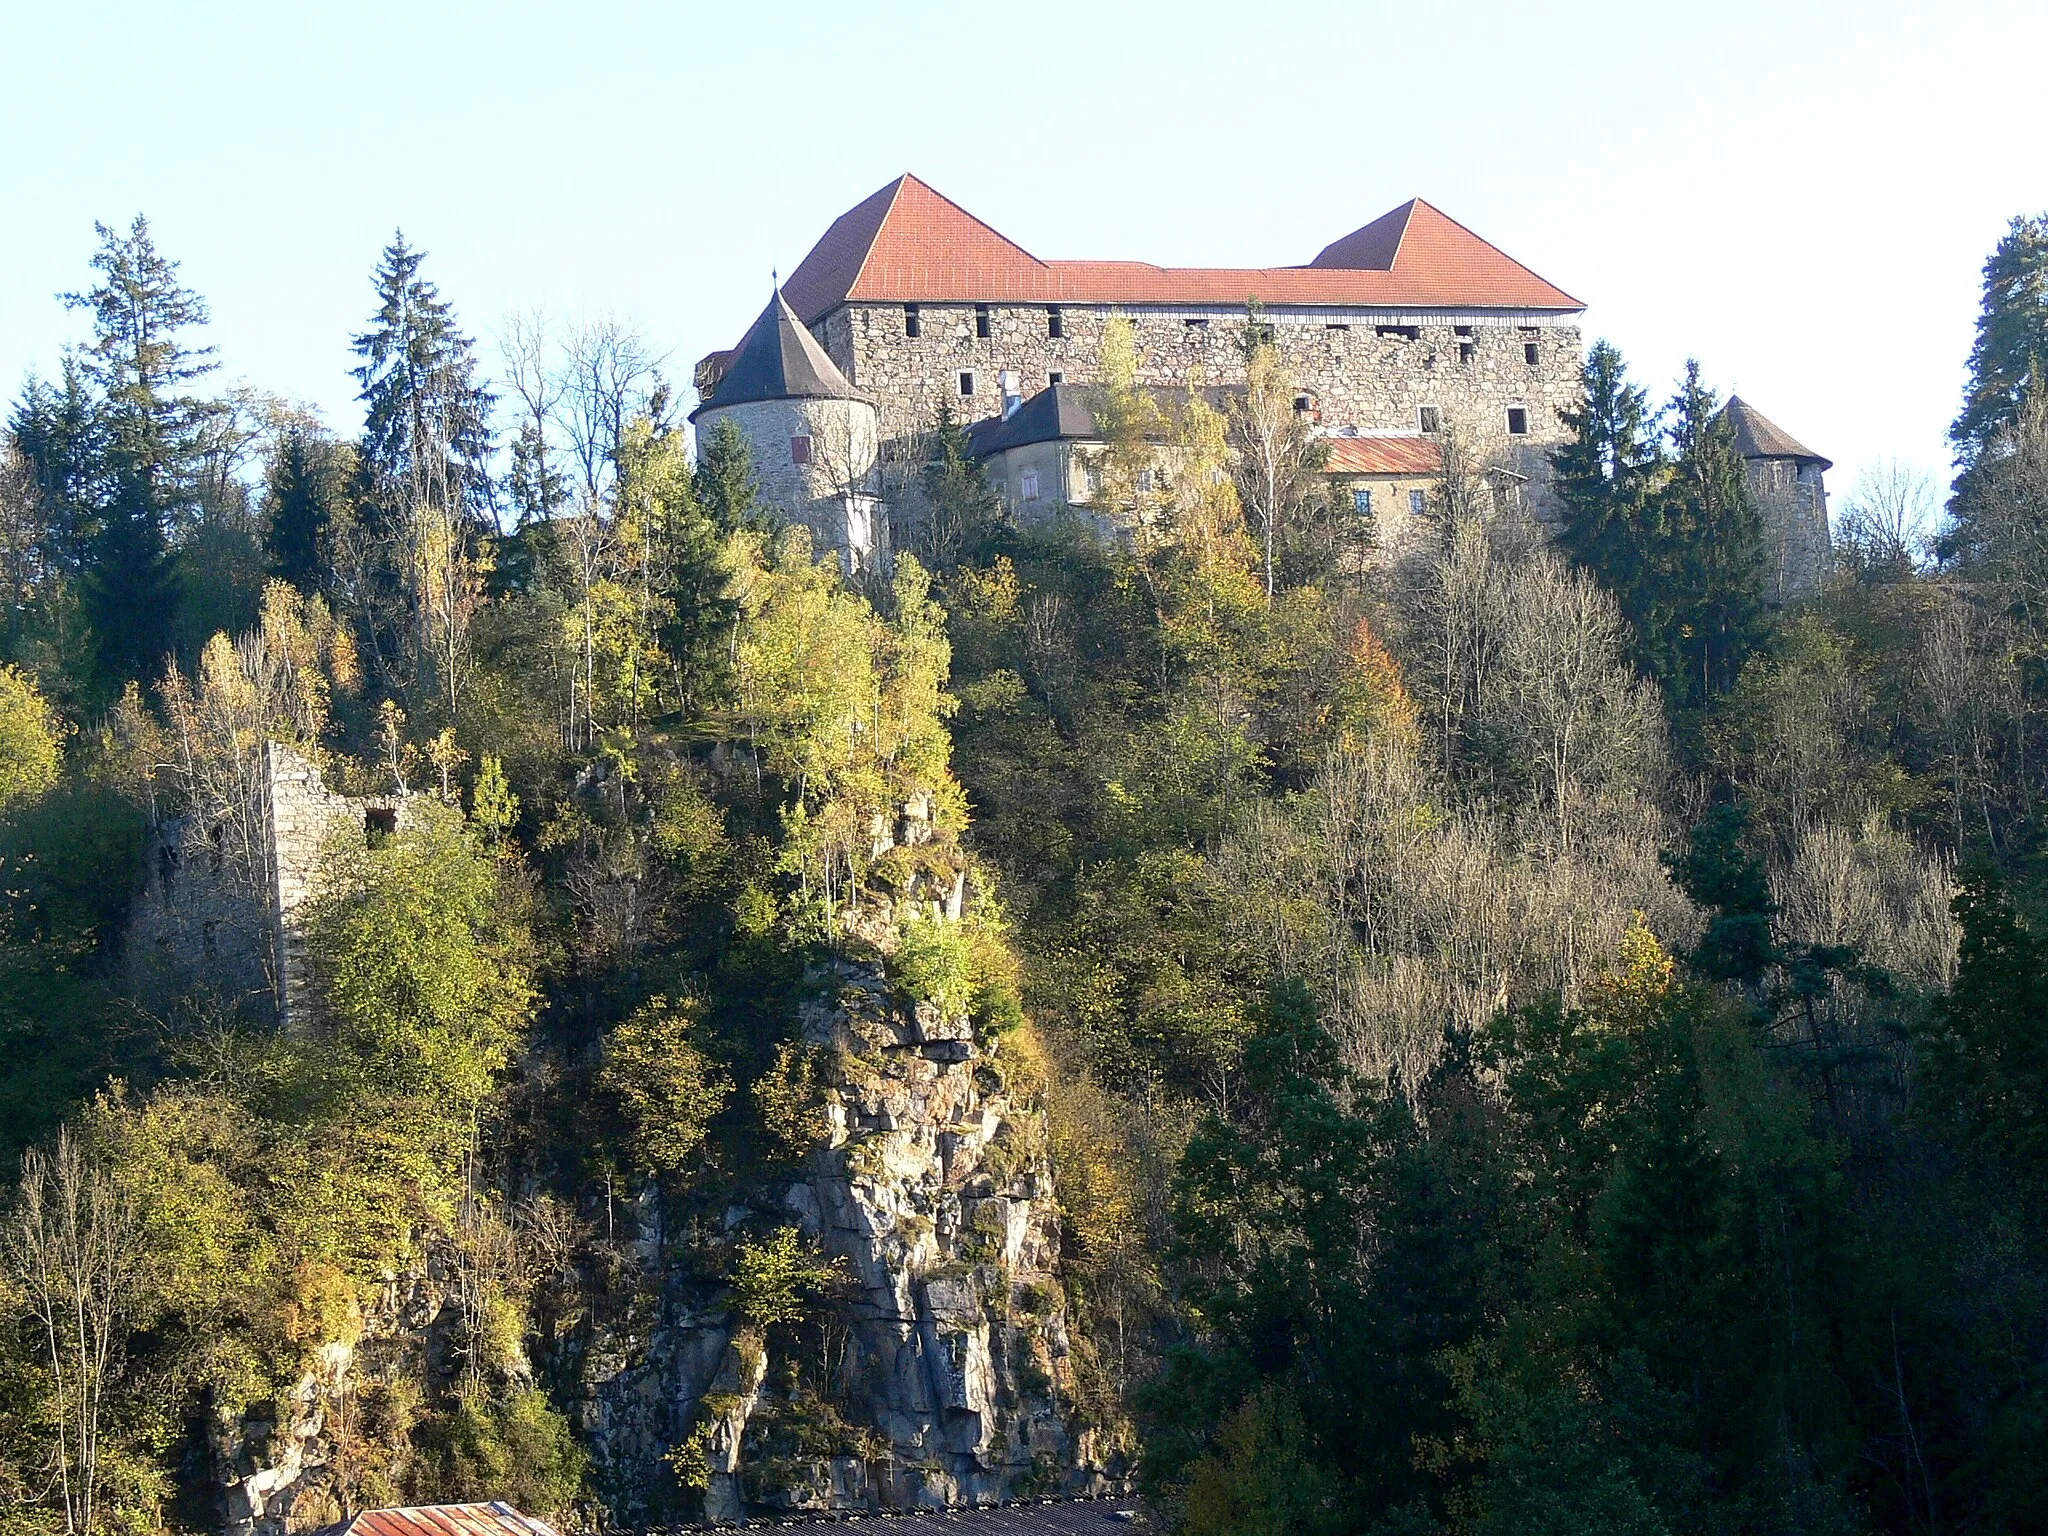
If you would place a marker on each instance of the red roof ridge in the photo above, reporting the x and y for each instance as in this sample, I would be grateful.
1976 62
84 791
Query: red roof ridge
895 191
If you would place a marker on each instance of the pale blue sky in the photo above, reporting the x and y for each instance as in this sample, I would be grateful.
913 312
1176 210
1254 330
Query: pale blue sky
1801 194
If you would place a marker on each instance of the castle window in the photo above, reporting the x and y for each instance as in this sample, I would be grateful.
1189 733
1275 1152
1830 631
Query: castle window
1196 323
1054 376
1027 485
966 383
1418 503
1428 420
1361 501
799 450
1461 330
1518 421
1467 351
981 321
379 822
1400 332
1304 402
1055 324
1529 353
1259 333
1336 326
912 321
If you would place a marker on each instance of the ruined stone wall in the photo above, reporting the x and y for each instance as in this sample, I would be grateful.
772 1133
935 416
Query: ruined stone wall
1791 498
1361 367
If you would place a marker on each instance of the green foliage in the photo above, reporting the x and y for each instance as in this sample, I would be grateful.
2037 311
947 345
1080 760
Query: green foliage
28 740
2012 337
778 1280
934 963
519 1449
725 485
667 1088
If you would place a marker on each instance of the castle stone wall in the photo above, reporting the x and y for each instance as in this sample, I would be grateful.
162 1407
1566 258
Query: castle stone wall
1791 499
1359 376
836 493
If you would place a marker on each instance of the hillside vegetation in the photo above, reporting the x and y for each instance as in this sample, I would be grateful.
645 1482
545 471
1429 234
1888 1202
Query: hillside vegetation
1523 1035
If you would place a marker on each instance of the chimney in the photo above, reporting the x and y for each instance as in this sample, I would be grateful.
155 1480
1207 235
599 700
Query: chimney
1007 382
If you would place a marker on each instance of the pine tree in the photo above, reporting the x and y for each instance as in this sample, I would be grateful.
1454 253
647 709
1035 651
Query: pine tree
2012 337
961 506
60 429
725 483
1715 570
152 445
308 482
1607 478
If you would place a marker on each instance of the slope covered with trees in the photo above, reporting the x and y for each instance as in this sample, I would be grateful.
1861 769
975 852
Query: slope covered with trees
1521 1036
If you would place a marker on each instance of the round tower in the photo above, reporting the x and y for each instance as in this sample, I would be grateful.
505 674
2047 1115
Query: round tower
815 439
1788 488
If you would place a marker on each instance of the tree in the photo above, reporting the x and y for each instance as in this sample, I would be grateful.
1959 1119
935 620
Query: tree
73 1249
725 483
961 507
141 366
426 451
1606 479
2012 339
667 1086
1714 567
309 484
1276 457
28 739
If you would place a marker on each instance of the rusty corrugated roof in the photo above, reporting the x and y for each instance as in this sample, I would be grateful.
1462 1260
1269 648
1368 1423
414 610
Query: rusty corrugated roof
493 1519
909 244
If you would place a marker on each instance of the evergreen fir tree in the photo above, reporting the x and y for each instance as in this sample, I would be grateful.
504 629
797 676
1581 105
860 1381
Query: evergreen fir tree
308 482
426 428
1715 571
2012 337
962 507
1607 478
152 446
60 429
725 483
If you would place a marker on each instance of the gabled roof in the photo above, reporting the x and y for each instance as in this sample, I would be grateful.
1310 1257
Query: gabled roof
779 359
494 1519
1758 437
1383 456
907 244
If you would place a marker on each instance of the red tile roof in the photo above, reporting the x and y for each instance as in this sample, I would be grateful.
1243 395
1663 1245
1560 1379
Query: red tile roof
494 1519
1383 456
908 244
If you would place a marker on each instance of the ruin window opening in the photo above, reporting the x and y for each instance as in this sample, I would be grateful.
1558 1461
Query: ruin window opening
1518 421
1055 324
1428 420
1260 334
1466 351
799 450
1461 330
1400 332
966 383
913 321
1529 353
1196 323
981 321
1054 376
1336 325
379 822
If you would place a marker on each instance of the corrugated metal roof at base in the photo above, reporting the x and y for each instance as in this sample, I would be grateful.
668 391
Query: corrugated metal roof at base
494 1519
1044 1517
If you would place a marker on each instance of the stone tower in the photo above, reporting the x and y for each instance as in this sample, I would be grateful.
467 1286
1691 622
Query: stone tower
815 439
1787 487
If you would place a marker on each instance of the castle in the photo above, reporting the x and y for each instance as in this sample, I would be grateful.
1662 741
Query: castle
1394 335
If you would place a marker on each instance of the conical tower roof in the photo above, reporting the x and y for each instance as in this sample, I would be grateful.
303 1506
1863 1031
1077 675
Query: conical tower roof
1758 437
779 359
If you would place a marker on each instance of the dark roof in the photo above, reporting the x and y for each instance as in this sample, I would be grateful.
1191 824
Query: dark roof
908 244
1758 437
1061 412
494 1519
1044 1517
779 359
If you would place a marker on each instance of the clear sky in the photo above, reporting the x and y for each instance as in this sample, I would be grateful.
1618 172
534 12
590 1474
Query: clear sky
1800 194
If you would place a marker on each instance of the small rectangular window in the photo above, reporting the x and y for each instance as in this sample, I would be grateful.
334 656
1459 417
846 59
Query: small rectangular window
1518 421
1195 323
1054 376
1055 324
966 383
1336 326
912 321
1400 332
1361 500
1260 334
1027 485
1428 420
1467 351
1461 330
1529 353
1417 502
799 450
981 321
